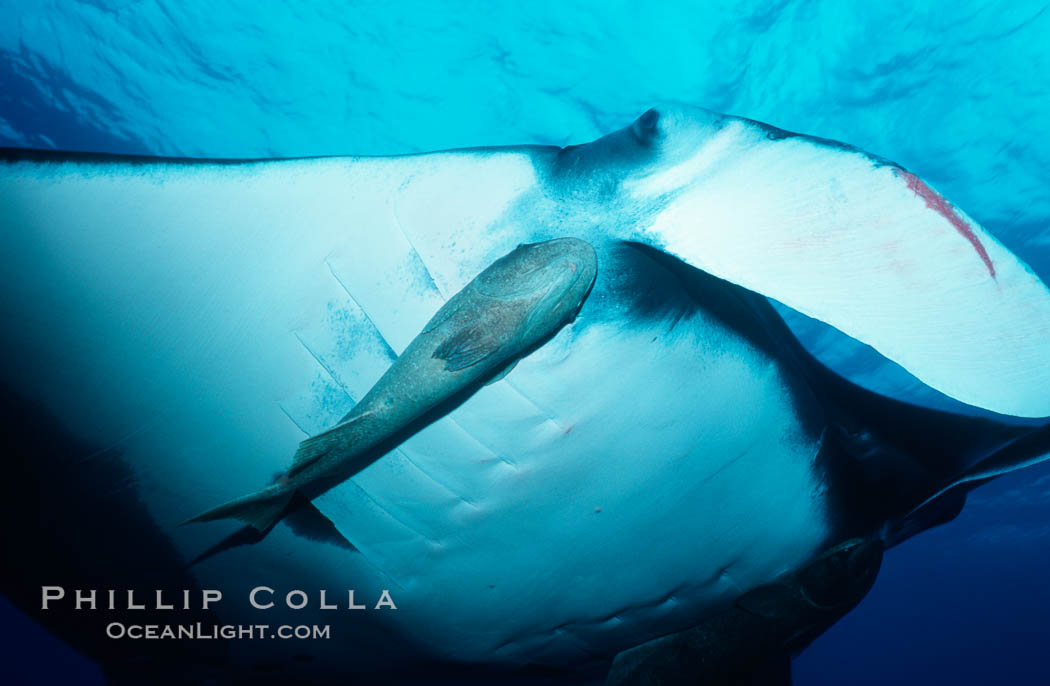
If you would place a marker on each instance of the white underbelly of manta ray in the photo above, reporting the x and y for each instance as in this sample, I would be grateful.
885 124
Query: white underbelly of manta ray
507 523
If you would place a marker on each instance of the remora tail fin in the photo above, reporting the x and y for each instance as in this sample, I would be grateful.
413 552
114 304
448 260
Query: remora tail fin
260 510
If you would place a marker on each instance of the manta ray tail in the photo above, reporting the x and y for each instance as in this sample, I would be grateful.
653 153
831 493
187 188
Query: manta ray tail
260 510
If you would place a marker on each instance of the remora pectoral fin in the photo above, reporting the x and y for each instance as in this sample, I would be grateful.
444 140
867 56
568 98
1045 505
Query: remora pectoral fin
465 348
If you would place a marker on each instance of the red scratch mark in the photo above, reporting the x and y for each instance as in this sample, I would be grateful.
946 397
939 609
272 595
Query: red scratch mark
943 207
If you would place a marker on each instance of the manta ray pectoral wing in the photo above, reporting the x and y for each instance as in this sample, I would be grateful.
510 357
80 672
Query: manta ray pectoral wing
853 240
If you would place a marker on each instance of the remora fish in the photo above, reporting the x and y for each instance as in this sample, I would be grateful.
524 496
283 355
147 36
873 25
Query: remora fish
512 307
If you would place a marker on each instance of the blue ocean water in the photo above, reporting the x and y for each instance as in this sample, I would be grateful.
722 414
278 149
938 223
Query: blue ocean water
955 91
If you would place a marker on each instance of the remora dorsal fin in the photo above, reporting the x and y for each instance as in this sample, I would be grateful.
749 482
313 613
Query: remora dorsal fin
312 449
343 436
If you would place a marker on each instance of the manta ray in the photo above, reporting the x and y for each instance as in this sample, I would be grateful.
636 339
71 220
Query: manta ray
178 327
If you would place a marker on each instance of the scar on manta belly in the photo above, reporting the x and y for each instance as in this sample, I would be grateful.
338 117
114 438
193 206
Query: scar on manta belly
937 203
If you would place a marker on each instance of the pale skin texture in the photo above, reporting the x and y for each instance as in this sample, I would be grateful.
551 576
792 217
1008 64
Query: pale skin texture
512 307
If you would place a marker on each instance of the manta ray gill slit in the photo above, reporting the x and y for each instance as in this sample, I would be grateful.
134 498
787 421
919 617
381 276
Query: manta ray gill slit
935 202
